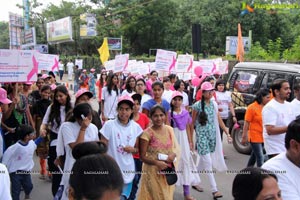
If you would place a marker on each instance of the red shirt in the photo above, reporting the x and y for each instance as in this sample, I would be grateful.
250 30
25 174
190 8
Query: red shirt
143 121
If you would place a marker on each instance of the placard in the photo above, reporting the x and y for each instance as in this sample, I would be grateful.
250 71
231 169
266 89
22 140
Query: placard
18 65
121 62
165 60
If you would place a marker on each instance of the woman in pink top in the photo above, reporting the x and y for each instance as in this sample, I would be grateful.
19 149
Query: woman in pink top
100 84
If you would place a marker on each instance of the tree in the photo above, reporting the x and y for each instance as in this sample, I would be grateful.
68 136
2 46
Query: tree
4 35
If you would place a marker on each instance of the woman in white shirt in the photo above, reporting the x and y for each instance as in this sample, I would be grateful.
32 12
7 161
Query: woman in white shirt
129 86
77 130
223 99
54 117
110 94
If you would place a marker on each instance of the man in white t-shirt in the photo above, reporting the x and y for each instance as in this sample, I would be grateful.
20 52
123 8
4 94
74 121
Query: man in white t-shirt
276 116
167 94
70 66
296 102
286 165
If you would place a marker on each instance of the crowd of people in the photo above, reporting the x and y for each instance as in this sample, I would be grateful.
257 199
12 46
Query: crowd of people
140 143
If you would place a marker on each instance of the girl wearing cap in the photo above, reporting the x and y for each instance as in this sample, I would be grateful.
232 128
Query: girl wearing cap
208 140
157 139
120 135
179 85
92 82
180 120
54 117
84 79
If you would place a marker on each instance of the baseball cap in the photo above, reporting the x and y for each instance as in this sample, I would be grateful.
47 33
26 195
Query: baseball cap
44 76
83 91
92 70
176 94
3 97
28 83
127 99
206 86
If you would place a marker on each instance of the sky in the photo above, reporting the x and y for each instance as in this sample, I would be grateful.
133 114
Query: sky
10 6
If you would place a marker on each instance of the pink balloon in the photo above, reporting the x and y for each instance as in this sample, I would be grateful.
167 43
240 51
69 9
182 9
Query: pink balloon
198 71
196 81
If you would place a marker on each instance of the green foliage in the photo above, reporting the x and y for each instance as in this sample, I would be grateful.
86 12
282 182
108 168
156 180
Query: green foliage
4 35
257 53
293 54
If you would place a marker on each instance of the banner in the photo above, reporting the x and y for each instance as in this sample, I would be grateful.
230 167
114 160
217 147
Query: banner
18 65
29 38
232 43
114 43
42 48
222 67
88 29
165 60
79 62
59 30
109 65
16 24
47 62
121 62
184 63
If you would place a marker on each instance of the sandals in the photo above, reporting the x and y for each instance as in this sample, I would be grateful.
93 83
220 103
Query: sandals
189 197
217 195
198 188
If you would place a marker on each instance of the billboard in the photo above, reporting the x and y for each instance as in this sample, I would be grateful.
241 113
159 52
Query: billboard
88 29
231 44
114 43
59 31
16 26
29 38
42 48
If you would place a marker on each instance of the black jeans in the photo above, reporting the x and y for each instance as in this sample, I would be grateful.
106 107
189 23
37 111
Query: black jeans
138 168
56 175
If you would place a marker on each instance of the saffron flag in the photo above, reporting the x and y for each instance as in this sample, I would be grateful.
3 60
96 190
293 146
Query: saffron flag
240 45
104 51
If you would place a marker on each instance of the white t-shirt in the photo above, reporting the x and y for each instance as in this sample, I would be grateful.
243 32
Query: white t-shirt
125 92
167 95
276 114
19 157
145 98
185 100
70 132
223 101
70 66
54 127
119 136
60 66
288 175
110 103
296 106
5 183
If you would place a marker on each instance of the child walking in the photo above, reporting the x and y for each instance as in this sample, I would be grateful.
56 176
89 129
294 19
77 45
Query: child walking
180 120
19 161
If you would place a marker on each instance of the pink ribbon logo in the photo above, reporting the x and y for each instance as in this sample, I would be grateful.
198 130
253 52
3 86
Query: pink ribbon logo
55 64
190 66
126 65
173 64
34 70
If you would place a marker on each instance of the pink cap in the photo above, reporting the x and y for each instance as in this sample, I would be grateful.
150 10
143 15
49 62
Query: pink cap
125 98
176 94
83 91
53 86
84 70
3 97
44 76
206 86
139 77
28 83
92 70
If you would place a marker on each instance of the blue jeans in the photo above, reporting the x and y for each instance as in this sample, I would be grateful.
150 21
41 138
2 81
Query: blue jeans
20 179
76 86
257 155
138 168
61 74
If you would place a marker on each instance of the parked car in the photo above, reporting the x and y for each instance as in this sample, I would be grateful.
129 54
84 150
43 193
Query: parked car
245 80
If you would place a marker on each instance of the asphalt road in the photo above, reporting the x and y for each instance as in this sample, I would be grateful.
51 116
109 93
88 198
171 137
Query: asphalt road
235 162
